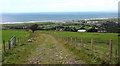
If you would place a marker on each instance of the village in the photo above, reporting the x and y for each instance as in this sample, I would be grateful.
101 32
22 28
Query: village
86 25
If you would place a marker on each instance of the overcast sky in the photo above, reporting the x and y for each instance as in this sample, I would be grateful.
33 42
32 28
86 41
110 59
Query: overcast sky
58 5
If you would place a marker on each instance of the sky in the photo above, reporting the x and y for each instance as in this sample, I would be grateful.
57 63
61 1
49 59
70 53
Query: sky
15 6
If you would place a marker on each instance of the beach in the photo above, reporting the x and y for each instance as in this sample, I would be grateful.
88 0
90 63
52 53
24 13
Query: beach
17 18
60 21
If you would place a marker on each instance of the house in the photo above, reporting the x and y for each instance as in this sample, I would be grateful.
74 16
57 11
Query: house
60 28
102 31
82 30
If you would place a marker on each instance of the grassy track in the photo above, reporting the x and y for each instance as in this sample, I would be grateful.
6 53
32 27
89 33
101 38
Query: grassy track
48 48
52 51
100 44
45 50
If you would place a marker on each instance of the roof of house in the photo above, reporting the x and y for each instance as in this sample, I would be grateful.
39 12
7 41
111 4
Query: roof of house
82 30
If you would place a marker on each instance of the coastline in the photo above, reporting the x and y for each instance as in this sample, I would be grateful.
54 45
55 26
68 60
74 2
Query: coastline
61 21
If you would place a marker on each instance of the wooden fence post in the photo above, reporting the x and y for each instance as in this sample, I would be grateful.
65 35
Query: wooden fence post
110 46
9 44
75 39
82 43
68 39
92 45
18 40
71 40
14 41
4 45
116 54
75 42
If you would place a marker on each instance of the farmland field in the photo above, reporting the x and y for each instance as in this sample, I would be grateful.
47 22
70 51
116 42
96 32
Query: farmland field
60 43
7 34
100 43
52 40
86 36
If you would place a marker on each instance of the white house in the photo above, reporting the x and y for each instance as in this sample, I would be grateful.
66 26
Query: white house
81 30
102 31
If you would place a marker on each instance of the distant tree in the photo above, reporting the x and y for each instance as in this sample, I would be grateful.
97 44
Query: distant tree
73 29
92 30
118 28
34 27
83 27
67 28
111 27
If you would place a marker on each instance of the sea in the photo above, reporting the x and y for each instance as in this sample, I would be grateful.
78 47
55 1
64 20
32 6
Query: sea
54 16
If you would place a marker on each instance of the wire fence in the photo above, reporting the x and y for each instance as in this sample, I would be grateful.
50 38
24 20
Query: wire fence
12 43
105 49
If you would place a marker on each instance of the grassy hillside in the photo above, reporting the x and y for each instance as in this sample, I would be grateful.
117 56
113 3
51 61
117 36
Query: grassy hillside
99 52
7 34
86 36
22 49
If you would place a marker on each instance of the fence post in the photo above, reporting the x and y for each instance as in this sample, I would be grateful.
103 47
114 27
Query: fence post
9 44
110 46
71 40
82 43
75 42
116 53
18 40
68 39
4 45
75 39
15 40
92 45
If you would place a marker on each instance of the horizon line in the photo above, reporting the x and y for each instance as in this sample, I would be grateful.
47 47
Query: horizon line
66 11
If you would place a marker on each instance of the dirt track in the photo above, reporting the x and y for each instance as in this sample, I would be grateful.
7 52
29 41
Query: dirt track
51 51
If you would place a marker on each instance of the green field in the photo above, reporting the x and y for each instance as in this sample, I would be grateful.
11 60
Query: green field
51 46
7 34
20 51
98 55
100 44
102 38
